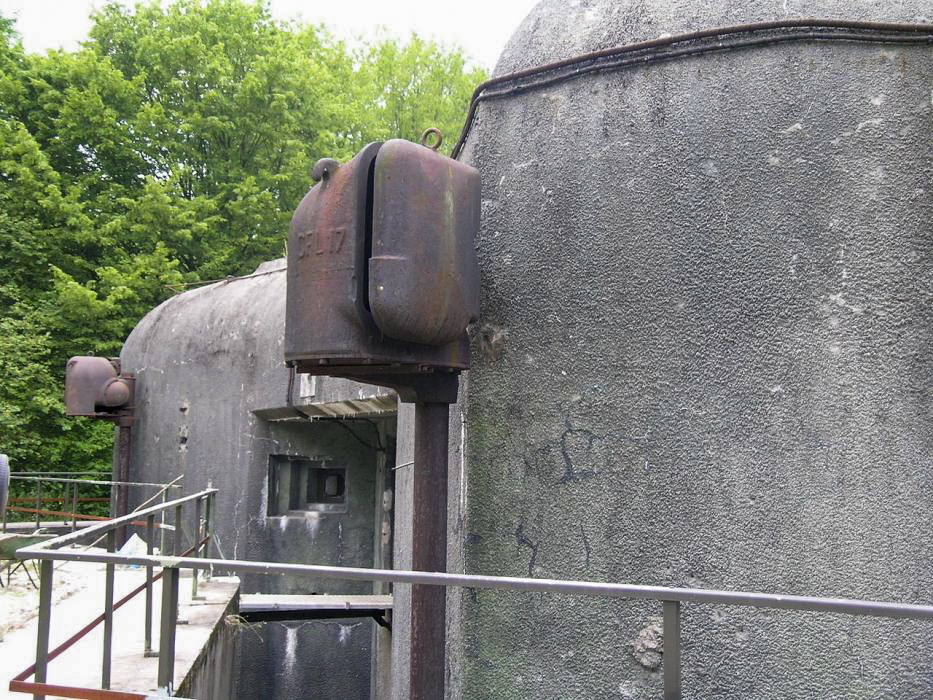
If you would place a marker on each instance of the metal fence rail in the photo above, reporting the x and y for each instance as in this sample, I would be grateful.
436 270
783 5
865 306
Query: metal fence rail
69 495
201 536
671 599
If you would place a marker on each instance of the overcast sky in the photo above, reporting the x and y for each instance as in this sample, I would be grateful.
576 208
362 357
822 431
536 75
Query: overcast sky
480 27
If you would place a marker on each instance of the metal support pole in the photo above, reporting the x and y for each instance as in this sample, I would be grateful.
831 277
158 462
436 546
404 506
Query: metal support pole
150 534
45 621
429 550
108 616
672 689
162 519
38 503
176 537
197 547
167 622
123 474
208 533
74 506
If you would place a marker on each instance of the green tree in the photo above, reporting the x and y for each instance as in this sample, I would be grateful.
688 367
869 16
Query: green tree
170 149
409 87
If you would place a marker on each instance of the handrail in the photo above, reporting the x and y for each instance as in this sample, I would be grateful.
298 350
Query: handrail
77 516
39 478
91 482
70 642
541 585
201 539
110 524
670 597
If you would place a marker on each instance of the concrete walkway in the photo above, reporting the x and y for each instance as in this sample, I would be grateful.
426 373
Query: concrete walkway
78 597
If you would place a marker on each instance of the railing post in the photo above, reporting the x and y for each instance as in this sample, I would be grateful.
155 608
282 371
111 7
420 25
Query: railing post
38 503
176 539
167 622
150 536
197 547
162 520
74 506
672 689
208 533
45 614
108 616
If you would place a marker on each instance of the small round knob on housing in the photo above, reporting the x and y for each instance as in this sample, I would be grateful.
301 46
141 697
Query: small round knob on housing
324 168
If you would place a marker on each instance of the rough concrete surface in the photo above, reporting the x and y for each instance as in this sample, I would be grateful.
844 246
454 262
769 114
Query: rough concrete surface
704 358
210 367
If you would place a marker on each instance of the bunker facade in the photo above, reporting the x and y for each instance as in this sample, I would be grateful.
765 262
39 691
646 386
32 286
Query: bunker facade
298 481
703 360
704 356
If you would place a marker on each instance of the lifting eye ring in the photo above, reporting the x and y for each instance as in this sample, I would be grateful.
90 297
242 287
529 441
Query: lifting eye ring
438 138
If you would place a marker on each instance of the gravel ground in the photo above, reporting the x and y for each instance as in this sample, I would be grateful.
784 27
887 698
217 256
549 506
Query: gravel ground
19 600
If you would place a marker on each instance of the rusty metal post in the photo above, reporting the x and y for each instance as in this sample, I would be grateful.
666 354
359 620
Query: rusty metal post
176 536
208 532
429 550
167 623
108 616
38 503
162 521
196 547
150 535
45 621
122 475
74 506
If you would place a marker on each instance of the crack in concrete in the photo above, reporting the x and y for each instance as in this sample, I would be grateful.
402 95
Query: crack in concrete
523 541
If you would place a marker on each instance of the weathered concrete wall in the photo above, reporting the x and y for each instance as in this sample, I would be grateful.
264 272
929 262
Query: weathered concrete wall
210 379
312 659
212 675
704 358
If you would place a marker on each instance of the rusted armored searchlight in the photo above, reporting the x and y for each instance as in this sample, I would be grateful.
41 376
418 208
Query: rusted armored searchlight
382 283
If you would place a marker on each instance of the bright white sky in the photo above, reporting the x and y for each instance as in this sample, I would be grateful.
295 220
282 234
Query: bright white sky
480 27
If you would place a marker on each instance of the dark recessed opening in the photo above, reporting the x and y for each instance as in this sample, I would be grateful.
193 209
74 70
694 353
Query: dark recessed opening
299 484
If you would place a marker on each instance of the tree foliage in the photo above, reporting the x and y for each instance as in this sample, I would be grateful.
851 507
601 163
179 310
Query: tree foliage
170 149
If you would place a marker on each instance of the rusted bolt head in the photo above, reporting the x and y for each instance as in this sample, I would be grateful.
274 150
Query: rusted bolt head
323 168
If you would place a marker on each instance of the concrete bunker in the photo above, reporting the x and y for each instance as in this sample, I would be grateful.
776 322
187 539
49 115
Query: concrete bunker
702 360
304 467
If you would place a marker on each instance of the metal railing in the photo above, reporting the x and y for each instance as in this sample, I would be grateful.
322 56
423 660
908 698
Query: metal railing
671 599
69 489
48 552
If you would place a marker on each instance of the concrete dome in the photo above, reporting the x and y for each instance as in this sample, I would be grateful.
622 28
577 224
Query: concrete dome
704 357
557 29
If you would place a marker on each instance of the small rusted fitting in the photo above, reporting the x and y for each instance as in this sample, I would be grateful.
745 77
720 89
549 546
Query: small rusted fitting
115 393
323 168
438 138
